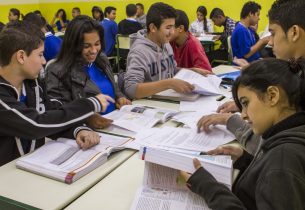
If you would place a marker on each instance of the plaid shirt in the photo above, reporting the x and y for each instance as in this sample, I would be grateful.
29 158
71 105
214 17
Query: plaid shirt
229 27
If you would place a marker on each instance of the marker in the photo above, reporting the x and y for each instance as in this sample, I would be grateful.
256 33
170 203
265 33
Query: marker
220 98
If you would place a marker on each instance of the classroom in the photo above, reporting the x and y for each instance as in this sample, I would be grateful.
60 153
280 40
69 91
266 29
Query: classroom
144 105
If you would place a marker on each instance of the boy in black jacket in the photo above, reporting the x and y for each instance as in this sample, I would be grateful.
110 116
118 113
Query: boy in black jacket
25 110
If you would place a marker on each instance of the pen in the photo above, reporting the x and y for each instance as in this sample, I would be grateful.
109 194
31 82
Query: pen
220 98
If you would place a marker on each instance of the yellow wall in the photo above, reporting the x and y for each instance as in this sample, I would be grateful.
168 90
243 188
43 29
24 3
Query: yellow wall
231 8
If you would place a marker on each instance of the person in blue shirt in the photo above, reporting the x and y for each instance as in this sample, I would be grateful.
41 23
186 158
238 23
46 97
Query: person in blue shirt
111 30
82 70
62 21
244 44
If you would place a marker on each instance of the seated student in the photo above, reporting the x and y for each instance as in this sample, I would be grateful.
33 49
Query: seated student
110 30
150 62
62 21
97 13
76 12
130 25
26 111
141 16
81 70
48 27
52 44
202 24
275 177
244 44
188 51
13 15
287 41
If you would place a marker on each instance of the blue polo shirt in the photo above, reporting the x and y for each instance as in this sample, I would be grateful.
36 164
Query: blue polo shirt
110 30
52 45
58 25
242 40
103 82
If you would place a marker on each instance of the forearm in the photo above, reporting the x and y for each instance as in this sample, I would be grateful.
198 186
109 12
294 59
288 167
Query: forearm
150 88
255 48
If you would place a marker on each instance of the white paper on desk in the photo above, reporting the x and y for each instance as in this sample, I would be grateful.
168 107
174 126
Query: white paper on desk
206 37
204 104
190 119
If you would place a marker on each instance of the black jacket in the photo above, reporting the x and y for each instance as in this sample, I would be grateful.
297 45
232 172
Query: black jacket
37 118
77 84
273 179
127 27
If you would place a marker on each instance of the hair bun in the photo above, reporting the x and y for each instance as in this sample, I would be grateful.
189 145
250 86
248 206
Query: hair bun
296 67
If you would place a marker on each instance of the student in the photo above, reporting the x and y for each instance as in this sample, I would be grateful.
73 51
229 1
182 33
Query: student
52 44
13 15
26 111
81 70
150 62
244 44
48 26
76 12
188 51
141 16
202 24
287 41
110 29
62 21
271 95
129 25
97 13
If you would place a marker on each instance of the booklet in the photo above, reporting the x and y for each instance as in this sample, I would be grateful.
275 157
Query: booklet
220 166
175 96
138 117
160 190
64 161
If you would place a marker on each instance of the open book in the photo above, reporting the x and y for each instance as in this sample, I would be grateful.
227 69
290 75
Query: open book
220 166
64 161
138 117
160 191
175 96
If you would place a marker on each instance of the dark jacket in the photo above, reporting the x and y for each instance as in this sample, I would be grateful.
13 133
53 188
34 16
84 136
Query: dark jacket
77 83
37 118
127 27
273 179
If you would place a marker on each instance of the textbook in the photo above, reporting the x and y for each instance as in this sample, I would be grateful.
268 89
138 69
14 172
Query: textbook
161 190
64 161
220 166
138 117
175 96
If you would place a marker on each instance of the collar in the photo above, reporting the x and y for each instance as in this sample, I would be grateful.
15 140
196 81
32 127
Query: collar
132 19
48 34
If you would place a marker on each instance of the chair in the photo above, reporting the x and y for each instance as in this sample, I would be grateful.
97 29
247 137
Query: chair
123 45
230 51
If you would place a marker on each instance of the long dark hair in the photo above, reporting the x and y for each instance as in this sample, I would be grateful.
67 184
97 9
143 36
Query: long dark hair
72 45
288 75
204 12
64 15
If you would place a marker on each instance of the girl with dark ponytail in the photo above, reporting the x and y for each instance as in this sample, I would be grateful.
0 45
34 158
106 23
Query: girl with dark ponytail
202 24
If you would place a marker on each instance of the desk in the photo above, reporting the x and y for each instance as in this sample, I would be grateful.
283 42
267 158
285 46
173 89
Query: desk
207 42
45 193
116 191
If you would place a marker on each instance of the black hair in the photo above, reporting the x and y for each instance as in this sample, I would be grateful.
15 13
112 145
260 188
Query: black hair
34 19
182 19
287 13
288 75
131 10
250 7
72 45
99 10
64 15
140 5
37 12
108 10
216 12
158 12
204 12
77 9
19 35
2 25
16 12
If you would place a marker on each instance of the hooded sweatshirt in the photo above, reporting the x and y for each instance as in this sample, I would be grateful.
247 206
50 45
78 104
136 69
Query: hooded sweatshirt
147 62
273 179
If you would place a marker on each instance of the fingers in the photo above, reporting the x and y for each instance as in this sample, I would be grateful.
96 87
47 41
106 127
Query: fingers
86 139
108 98
204 124
197 163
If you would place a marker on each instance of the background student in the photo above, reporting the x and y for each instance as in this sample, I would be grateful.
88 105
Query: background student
129 25
141 16
150 62
61 22
14 14
97 13
275 177
27 114
110 30
81 70
188 51
76 12
202 24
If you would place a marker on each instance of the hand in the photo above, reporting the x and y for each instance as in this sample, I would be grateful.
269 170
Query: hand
104 101
216 37
86 139
212 119
227 107
234 150
241 62
121 102
265 40
186 175
96 121
181 86
200 71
